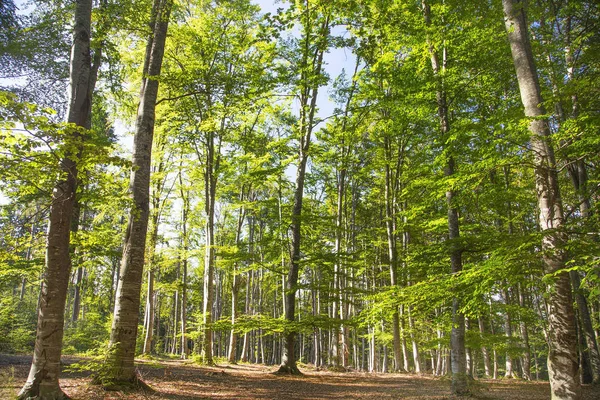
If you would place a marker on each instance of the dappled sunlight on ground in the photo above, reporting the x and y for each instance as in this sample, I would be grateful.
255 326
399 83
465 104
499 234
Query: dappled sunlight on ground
183 380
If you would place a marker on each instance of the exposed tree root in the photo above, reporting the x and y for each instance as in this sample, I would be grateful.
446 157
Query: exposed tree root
135 384
288 370
33 392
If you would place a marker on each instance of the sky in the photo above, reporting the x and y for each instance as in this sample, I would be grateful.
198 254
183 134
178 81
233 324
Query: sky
335 61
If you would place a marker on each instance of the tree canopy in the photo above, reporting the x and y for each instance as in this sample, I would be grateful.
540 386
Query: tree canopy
433 208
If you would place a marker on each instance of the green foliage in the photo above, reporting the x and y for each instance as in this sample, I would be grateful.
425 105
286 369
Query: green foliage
96 364
233 107
86 335
17 326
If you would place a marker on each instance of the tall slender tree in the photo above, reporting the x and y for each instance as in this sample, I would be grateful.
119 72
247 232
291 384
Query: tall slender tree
120 369
457 335
315 21
562 355
42 382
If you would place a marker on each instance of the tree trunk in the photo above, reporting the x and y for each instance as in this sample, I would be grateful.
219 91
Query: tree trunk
484 349
184 343
42 382
457 335
403 347
288 362
337 306
236 284
184 257
149 322
308 101
393 255
75 221
469 355
526 357
562 357
587 330
508 333
125 322
77 294
415 347
210 190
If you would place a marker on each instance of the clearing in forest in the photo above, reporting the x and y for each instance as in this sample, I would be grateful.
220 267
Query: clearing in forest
183 380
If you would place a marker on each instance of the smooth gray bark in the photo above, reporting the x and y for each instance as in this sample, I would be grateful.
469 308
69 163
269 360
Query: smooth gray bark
42 382
210 190
313 60
231 356
484 350
562 357
458 363
125 323
526 357
185 209
390 224
508 373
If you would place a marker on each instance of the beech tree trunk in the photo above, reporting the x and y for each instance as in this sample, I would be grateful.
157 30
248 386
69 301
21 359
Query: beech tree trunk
415 346
288 359
210 190
508 333
393 254
42 382
393 172
337 304
75 221
149 320
458 364
562 356
125 323
587 330
484 350
311 70
157 202
185 247
231 357
526 357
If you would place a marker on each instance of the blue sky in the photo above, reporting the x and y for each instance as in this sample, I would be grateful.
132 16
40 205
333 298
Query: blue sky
335 60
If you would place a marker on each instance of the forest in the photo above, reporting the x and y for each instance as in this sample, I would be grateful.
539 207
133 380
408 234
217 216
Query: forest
403 188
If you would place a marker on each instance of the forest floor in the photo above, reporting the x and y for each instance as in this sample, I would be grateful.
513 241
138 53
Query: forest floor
183 380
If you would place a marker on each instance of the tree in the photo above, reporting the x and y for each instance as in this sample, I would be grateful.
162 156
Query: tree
120 369
315 21
42 382
562 356
457 336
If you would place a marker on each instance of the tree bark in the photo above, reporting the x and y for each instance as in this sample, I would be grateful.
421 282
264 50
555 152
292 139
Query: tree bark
457 335
75 221
508 334
393 257
149 320
42 382
562 357
526 357
121 369
184 257
587 330
209 248
484 349
231 357
415 346
311 71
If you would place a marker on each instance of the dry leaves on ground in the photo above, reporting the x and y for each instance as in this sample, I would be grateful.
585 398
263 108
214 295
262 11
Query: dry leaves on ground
183 380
